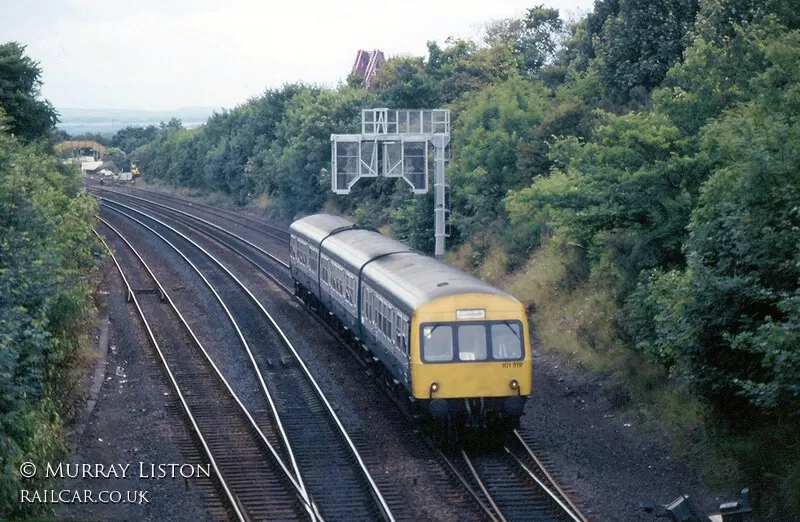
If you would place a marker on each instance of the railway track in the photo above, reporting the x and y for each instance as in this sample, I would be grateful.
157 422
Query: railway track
251 477
511 484
266 229
327 460
244 246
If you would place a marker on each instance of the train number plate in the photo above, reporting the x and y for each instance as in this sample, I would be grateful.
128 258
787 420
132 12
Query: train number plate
517 364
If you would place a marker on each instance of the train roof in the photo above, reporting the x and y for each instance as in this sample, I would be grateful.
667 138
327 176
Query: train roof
318 226
412 277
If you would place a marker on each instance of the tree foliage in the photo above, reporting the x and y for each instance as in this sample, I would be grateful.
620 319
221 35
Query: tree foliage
625 196
640 44
131 138
489 140
47 253
736 334
29 118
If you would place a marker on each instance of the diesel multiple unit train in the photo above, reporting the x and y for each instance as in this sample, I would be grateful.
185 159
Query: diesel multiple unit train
448 344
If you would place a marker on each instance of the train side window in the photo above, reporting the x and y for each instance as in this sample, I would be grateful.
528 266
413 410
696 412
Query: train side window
386 319
401 329
352 285
388 331
472 342
506 341
335 275
368 300
437 343
314 259
398 322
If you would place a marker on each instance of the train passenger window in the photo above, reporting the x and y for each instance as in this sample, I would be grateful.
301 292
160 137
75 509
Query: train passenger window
506 341
398 330
353 290
314 260
472 342
437 343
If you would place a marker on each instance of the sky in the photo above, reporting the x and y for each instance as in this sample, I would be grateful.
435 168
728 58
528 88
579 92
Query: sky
169 54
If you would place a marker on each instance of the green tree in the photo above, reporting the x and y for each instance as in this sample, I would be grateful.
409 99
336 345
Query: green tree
20 83
131 138
625 196
538 41
287 169
493 126
744 252
640 44
402 83
47 255
715 75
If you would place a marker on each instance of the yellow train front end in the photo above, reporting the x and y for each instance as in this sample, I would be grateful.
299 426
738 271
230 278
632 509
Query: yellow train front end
470 360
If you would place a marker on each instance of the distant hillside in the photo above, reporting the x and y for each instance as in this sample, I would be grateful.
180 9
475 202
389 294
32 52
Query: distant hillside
109 121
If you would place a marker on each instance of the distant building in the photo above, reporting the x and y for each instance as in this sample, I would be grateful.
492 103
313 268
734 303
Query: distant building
89 167
367 64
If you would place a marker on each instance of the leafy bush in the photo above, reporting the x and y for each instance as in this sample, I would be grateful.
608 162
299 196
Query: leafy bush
47 255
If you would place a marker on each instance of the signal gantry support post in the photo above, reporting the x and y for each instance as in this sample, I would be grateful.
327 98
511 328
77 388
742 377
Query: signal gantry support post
396 143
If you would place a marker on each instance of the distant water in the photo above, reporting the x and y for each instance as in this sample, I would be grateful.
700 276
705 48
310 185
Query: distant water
107 128
109 121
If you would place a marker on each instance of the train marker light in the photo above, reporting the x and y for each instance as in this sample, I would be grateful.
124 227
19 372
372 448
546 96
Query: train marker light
434 389
514 384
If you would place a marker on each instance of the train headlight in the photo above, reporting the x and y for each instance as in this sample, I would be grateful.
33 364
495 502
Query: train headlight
434 387
514 384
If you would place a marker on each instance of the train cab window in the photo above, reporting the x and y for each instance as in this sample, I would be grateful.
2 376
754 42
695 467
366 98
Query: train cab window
472 342
437 343
506 341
